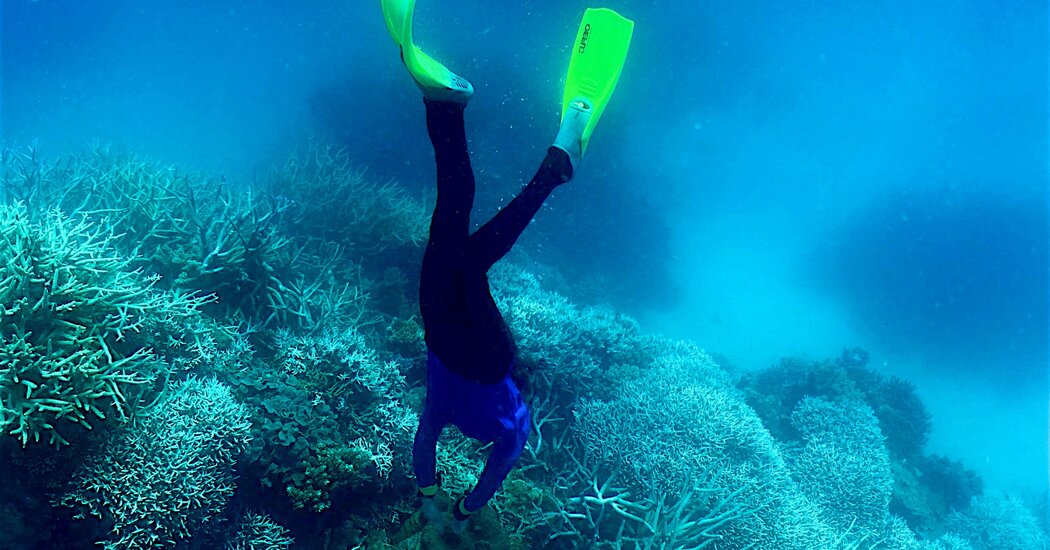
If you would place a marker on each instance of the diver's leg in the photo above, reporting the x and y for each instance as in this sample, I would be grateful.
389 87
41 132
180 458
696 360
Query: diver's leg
455 176
494 239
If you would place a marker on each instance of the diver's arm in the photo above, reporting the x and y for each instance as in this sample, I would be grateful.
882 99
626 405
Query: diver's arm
494 239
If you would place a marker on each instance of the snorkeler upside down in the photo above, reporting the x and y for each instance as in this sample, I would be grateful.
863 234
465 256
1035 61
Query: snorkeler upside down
470 349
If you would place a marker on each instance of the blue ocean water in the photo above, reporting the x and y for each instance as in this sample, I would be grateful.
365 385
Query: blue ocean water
771 180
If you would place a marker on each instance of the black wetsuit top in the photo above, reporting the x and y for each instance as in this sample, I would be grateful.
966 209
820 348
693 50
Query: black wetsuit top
464 328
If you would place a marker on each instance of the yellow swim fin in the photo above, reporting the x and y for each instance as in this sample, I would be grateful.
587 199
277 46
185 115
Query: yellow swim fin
597 60
436 81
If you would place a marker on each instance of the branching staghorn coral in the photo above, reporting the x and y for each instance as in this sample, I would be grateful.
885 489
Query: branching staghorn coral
80 329
258 531
25 174
323 301
696 464
950 541
334 201
156 210
234 250
843 466
199 234
614 516
995 521
169 473
566 351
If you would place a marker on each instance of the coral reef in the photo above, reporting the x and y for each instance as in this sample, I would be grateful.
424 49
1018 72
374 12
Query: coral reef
843 466
210 333
169 473
332 200
199 234
259 532
681 460
775 391
998 522
925 489
81 331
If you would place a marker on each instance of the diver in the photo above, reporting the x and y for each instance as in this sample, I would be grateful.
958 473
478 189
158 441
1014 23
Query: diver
470 349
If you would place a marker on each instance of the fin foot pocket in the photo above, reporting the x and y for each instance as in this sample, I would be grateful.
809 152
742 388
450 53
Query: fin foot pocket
573 125
434 79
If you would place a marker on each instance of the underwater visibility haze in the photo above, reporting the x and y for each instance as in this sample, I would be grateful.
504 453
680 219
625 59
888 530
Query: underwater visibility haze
795 295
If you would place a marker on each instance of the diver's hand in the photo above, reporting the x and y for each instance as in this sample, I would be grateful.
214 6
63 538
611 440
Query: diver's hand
460 517
460 525
429 508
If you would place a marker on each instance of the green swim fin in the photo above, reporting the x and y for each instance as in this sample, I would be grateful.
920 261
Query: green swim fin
597 59
436 81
